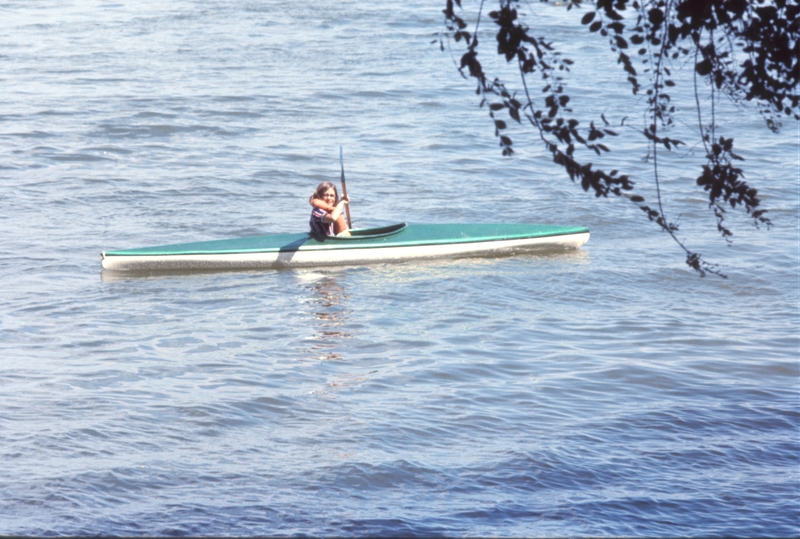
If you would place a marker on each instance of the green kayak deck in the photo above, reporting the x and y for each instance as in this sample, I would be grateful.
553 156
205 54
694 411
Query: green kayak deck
407 235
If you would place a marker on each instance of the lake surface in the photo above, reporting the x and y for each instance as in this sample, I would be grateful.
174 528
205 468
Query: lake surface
605 391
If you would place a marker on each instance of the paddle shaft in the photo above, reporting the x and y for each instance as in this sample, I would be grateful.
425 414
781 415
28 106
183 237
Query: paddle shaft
344 190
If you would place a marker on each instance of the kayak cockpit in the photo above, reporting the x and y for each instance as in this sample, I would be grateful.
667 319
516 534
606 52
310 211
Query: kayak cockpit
370 233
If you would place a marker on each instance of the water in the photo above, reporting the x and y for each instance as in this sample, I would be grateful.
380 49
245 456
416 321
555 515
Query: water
608 391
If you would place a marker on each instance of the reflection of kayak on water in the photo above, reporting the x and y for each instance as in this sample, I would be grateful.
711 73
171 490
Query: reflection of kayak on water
395 243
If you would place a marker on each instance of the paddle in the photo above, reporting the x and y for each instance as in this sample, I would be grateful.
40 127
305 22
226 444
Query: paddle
344 189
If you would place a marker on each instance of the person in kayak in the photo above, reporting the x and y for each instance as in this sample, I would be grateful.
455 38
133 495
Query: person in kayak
326 216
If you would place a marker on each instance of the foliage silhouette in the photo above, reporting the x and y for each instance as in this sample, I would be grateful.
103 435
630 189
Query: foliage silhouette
710 34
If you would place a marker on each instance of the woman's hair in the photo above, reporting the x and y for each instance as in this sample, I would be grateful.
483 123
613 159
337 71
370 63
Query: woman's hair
324 186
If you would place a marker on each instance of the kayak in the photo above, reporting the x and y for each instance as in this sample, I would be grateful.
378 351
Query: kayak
395 243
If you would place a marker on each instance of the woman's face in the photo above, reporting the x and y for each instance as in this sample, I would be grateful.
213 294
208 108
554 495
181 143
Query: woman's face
329 196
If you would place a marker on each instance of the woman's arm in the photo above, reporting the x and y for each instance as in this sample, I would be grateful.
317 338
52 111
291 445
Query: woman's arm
331 217
321 204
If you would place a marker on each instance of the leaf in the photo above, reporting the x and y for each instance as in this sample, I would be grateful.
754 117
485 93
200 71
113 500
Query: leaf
703 68
589 17
656 17
618 27
595 26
